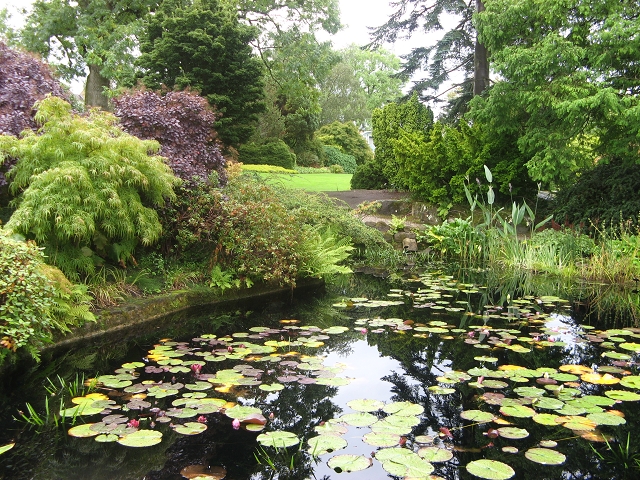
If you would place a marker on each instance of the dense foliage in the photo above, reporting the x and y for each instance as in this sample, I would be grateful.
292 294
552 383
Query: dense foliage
89 34
182 122
24 80
347 138
568 83
274 152
35 299
87 190
604 197
202 45
389 123
336 157
252 232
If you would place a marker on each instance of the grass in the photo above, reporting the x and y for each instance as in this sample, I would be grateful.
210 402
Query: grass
311 182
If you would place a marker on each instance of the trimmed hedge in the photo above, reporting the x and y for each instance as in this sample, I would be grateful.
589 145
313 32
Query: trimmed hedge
272 153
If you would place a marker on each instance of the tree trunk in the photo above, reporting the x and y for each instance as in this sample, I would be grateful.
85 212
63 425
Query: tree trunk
94 90
480 61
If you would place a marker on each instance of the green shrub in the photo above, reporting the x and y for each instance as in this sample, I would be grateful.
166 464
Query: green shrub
457 239
347 138
35 299
605 197
274 152
87 189
368 176
336 157
309 159
568 243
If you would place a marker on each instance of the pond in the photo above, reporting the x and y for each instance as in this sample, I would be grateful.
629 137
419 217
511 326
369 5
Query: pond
428 377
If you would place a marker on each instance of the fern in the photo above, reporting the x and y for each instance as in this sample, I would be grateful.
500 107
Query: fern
322 252
84 186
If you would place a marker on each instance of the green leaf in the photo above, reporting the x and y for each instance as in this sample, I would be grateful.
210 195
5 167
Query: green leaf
490 469
545 456
349 463
323 444
278 439
141 438
191 428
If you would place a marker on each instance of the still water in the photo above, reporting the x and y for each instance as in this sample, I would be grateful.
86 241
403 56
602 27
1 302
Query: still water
464 379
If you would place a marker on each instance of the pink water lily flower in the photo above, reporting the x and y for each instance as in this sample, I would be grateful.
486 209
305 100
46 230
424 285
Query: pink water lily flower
235 424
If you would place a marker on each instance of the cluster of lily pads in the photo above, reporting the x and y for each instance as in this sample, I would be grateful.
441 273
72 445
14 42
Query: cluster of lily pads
173 383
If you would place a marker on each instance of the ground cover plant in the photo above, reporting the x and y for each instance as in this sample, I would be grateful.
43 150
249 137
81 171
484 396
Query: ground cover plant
315 182
498 387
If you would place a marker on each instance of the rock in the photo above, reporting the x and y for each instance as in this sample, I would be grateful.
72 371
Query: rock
410 244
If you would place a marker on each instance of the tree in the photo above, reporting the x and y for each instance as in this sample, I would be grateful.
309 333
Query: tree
182 122
87 189
92 35
389 123
457 51
347 138
24 79
362 81
570 88
200 44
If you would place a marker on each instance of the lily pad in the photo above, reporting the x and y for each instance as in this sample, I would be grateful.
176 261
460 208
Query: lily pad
191 428
490 469
271 388
606 419
513 433
435 454
623 395
519 411
365 405
278 439
545 456
381 439
82 431
477 416
241 412
403 408
349 463
360 419
410 465
141 438
323 444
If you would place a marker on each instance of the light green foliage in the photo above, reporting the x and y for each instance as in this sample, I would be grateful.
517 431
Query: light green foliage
389 125
347 138
35 299
86 188
363 81
268 169
92 33
322 251
568 75
455 240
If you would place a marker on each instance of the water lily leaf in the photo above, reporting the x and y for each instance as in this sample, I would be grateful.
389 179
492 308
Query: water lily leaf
107 438
90 398
381 439
241 412
632 381
278 439
546 419
545 456
634 347
161 392
335 330
82 431
191 428
360 419
623 395
598 379
513 433
519 411
403 408
410 465
509 449
577 423
323 444
494 384
349 463
141 438
486 359
330 428
438 390
365 405
115 381
575 369
198 386
274 387
82 409
477 416
404 428
606 419
549 403
490 469
435 454
531 392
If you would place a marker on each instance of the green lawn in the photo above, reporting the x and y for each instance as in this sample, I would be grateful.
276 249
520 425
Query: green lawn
312 182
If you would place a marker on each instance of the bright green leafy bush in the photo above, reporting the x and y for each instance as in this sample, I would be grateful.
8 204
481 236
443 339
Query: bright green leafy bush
347 138
369 176
336 157
87 189
35 299
272 153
